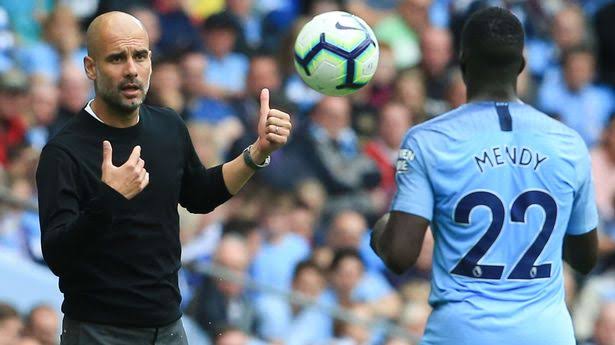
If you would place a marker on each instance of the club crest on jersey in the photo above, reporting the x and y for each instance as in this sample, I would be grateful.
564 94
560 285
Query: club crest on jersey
403 161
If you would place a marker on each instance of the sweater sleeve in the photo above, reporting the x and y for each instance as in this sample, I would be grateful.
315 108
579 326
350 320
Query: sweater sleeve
66 222
202 189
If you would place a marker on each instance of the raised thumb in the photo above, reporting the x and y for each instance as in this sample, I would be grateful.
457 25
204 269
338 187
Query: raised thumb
107 153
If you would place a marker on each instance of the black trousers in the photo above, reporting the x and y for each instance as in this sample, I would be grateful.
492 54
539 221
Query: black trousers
87 333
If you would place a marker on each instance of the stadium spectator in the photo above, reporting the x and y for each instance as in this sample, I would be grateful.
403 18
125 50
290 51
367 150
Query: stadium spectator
10 325
359 331
226 70
249 37
603 168
437 53
604 331
282 249
568 30
286 322
331 153
178 34
577 102
605 42
42 324
349 229
402 31
166 89
74 92
414 317
63 43
410 91
232 336
13 104
44 110
596 291
382 85
393 122
220 302
28 341
351 284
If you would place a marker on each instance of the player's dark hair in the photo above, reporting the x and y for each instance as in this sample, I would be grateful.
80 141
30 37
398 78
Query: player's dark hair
344 253
492 44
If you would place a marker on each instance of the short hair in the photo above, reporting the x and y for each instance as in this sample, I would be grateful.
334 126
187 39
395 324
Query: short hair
306 265
574 50
7 312
221 21
493 38
345 253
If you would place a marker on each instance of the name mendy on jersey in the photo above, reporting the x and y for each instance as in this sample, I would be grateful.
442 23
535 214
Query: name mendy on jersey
517 156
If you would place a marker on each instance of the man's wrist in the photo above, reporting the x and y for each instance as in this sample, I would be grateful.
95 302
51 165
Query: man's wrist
257 155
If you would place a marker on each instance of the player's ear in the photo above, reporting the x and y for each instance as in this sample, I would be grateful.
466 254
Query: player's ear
90 67
522 65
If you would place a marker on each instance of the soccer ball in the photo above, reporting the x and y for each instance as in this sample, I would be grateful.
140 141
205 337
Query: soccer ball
336 53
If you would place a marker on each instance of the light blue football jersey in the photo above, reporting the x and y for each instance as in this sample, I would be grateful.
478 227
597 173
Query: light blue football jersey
501 184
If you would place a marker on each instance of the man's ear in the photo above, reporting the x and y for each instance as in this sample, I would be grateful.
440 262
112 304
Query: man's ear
90 67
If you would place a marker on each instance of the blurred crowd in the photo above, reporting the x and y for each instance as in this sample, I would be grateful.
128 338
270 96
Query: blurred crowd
303 223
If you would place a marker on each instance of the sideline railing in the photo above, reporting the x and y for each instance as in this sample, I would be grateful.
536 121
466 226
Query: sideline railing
388 327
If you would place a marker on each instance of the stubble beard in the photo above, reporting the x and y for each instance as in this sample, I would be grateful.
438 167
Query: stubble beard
112 96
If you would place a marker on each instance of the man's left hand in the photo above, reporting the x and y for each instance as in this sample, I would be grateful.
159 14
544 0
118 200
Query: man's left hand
273 130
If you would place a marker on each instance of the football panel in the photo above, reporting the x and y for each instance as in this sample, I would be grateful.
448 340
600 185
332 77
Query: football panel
365 65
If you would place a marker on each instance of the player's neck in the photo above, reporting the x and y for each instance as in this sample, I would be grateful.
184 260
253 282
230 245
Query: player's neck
114 117
491 92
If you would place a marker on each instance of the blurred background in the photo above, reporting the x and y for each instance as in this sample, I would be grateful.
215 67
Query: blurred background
287 261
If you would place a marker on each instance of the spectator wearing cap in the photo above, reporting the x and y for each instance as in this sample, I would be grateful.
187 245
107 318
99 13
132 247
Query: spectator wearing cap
226 70
13 104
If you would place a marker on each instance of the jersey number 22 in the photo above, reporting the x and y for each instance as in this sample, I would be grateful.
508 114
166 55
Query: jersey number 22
526 268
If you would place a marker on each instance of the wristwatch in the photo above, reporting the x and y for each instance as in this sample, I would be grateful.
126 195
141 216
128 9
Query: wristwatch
249 162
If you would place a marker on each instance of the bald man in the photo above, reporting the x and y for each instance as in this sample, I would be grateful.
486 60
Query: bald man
109 184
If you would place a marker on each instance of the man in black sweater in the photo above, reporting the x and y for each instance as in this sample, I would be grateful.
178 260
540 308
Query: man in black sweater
109 184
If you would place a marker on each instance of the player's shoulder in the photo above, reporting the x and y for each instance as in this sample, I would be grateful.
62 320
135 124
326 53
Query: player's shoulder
554 131
445 124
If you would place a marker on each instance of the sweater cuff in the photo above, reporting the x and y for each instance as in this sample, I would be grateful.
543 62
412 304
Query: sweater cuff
220 192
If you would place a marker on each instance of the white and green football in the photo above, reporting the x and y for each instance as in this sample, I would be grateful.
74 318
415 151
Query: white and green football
336 53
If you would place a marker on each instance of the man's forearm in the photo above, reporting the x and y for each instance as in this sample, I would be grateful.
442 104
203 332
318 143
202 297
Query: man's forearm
236 172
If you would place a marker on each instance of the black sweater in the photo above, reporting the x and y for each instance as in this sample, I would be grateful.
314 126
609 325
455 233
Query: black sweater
117 259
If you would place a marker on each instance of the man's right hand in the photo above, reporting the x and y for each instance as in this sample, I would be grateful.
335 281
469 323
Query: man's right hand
130 178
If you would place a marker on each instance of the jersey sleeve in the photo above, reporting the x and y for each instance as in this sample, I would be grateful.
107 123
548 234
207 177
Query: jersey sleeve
584 214
414 192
